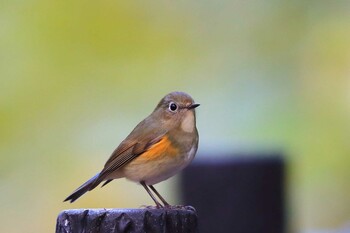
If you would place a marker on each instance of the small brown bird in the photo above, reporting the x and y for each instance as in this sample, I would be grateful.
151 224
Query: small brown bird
160 146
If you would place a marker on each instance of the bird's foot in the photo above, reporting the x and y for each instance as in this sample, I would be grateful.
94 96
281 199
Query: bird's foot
180 207
171 207
152 207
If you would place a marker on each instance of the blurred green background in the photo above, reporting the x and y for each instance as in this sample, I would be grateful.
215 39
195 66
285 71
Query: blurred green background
77 76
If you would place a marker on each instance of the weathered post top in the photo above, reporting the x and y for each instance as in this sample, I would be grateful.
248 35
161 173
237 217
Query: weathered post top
177 220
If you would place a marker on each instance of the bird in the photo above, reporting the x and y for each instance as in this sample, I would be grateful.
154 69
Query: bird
159 147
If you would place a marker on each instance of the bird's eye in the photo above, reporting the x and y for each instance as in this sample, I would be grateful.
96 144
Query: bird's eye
172 107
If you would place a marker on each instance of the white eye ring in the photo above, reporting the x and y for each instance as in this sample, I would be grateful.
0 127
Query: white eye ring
173 107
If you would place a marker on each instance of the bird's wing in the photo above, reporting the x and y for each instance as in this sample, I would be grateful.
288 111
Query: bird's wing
126 152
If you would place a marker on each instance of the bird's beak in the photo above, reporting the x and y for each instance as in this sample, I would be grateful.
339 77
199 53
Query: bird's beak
192 106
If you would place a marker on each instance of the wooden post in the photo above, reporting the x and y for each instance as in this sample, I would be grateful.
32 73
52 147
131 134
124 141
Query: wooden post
145 220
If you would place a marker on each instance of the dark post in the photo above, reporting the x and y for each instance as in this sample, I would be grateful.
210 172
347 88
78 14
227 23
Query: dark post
239 194
127 220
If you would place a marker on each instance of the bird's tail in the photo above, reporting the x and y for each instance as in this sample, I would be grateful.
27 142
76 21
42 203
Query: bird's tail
87 186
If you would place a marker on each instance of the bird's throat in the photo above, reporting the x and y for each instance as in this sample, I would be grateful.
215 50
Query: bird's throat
188 123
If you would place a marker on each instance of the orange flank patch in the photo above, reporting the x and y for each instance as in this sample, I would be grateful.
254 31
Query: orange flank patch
160 149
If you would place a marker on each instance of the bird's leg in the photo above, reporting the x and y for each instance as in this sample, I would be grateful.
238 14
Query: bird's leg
150 193
166 204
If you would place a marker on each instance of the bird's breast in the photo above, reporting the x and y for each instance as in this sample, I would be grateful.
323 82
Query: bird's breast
164 147
159 163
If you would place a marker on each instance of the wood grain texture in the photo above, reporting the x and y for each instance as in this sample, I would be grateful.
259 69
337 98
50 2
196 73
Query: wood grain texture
127 220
